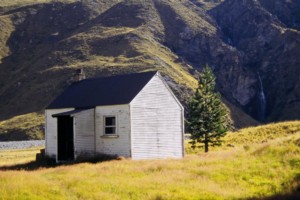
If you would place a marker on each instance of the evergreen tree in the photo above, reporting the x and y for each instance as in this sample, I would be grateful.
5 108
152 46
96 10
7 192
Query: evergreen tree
208 117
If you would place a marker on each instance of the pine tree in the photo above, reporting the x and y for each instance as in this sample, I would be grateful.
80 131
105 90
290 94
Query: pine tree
207 114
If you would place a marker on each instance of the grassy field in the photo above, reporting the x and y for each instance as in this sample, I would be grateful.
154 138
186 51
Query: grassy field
14 157
260 162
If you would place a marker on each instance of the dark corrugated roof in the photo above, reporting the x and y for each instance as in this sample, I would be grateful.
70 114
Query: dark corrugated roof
102 91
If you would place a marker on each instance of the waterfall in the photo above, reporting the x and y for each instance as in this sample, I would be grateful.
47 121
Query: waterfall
262 100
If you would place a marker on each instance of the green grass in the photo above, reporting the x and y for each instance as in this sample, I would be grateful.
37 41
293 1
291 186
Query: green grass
267 169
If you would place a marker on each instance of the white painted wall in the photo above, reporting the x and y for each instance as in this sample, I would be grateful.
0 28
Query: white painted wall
119 145
84 133
51 131
150 127
156 123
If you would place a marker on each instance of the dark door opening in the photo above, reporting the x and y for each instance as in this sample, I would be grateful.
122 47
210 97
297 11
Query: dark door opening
65 138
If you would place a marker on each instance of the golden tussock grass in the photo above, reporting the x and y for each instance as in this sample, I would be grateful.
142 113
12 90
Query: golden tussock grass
263 134
13 157
266 169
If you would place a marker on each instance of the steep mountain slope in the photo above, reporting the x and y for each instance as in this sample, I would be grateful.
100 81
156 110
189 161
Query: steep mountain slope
270 45
252 46
50 40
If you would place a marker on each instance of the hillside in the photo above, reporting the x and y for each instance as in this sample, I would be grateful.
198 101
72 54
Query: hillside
252 46
245 167
23 127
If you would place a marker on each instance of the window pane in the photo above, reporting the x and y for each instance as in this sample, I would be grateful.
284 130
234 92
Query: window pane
110 130
110 121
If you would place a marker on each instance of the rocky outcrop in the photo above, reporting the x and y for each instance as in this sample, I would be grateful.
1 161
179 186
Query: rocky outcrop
286 11
269 47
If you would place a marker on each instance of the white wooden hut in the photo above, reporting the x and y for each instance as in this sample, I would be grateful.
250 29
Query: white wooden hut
135 115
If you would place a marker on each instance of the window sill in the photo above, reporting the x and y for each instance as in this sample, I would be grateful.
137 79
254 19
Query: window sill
109 136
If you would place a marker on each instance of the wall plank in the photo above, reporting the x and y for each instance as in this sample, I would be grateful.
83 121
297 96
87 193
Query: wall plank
119 145
156 123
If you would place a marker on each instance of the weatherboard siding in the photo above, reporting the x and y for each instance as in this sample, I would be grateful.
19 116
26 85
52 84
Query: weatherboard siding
119 145
148 127
84 134
51 131
156 123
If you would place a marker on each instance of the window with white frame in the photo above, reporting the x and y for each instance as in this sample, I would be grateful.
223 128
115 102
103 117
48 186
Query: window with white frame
110 125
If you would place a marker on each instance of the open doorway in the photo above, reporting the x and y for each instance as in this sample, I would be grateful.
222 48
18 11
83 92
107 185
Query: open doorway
65 138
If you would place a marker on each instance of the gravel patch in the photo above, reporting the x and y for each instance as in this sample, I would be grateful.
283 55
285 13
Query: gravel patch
21 144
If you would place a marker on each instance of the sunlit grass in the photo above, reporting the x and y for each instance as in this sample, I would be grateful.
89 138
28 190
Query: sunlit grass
14 157
266 169
6 29
207 5
263 134
192 19
248 138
